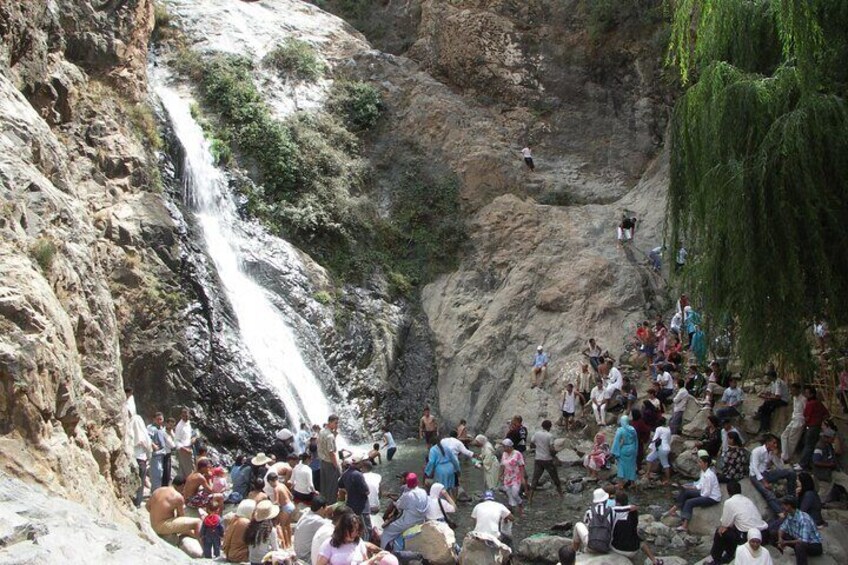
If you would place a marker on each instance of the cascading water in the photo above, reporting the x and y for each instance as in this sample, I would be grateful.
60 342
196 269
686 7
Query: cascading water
264 330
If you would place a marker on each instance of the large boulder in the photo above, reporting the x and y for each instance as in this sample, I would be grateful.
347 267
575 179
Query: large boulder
669 560
686 464
542 547
569 457
435 541
609 559
479 549
696 426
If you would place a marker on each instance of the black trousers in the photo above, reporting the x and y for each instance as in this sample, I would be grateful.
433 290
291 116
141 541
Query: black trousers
724 545
804 550
539 468
765 411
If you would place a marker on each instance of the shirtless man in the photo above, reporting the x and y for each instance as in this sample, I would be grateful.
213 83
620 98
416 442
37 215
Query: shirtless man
167 512
428 429
282 497
198 490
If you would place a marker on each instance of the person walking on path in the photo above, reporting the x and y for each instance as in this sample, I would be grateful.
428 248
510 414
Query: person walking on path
542 440
513 476
625 446
331 468
540 367
528 158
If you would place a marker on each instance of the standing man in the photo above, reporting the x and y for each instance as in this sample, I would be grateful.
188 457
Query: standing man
815 413
330 467
184 444
680 260
795 428
776 396
161 450
540 367
428 428
678 403
528 158
355 489
542 440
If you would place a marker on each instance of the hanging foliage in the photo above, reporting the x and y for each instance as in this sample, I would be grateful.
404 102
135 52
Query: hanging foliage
759 166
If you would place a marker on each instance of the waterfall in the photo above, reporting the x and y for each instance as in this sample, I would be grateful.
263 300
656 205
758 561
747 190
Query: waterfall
264 331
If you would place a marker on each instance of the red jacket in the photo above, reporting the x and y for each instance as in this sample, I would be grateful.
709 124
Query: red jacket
815 412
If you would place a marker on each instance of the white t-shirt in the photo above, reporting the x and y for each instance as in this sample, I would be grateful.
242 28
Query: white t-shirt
457 447
323 534
597 394
182 434
526 153
708 483
302 479
666 380
373 481
346 554
569 402
488 515
390 440
798 404
741 513
542 439
662 433
681 399
304 533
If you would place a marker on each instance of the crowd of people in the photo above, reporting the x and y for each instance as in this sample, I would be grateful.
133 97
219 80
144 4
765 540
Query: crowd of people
307 499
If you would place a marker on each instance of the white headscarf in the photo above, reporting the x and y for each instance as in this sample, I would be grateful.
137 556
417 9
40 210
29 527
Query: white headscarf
436 490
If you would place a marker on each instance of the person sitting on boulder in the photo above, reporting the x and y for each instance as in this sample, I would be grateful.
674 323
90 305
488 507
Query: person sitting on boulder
594 533
596 459
798 531
198 489
167 511
731 401
598 400
736 462
752 553
540 367
413 504
233 545
490 516
625 525
766 468
775 397
704 492
711 439
738 517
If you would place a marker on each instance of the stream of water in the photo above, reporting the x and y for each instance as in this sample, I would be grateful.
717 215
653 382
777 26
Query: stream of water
264 331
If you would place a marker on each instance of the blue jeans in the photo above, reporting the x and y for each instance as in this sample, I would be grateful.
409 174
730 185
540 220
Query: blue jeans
689 499
773 476
157 468
211 546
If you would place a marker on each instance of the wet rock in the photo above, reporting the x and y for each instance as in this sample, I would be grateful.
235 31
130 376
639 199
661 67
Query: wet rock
435 542
541 547
483 548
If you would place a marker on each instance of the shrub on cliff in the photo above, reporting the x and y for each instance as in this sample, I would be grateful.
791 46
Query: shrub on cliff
297 58
356 103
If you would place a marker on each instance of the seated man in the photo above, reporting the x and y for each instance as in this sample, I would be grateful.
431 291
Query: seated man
310 522
540 367
766 468
489 516
775 397
799 532
198 489
167 511
731 401
625 523
598 522
738 517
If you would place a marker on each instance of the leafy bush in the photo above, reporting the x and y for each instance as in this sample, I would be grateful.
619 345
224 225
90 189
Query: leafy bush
356 103
605 15
297 58
144 123
162 24
323 297
43 251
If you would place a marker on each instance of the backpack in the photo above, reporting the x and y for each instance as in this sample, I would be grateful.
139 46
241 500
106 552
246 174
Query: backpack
600 529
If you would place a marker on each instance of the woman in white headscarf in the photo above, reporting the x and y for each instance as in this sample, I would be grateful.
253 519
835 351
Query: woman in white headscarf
141 447
441 503
488 462
753 553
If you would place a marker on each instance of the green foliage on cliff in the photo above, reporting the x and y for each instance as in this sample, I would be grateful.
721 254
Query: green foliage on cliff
311 179
759 166
297 58
43 251
604 16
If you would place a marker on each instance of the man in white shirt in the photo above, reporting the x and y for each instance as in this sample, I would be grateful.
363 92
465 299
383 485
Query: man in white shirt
488 515
599 404
373 480
183 443
528 158
775 397
765 468
666 384
454 444
614 382
679 402
542 440
738 515
795 428
310 522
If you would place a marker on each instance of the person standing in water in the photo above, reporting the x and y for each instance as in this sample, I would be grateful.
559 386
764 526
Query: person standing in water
428 428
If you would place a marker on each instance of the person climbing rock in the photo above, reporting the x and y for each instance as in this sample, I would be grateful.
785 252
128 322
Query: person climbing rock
528 158
540 367
626 229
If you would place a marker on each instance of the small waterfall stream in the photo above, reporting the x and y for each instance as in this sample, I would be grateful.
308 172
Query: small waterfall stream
264 330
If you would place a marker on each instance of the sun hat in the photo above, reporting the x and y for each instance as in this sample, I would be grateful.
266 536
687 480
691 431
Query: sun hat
411 480
507 443
266 510
260 459
488 495
285 434
540 348
245 508
599 495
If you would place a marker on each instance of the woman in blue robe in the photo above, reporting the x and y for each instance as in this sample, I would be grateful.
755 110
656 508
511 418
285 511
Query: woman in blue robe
625 446
442 465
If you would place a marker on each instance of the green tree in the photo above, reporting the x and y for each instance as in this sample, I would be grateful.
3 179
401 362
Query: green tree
759 166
